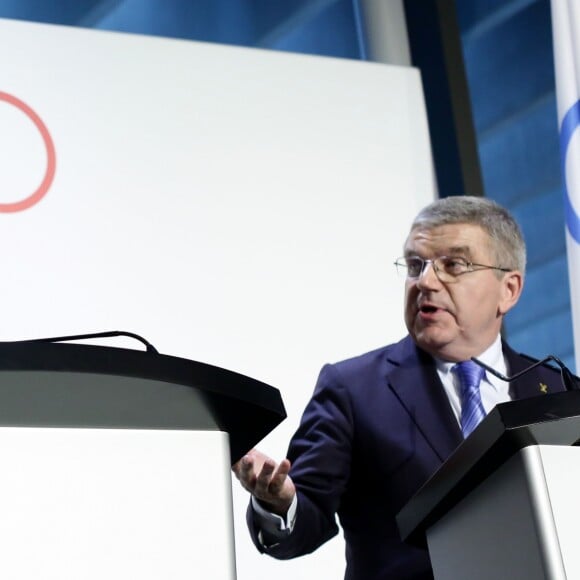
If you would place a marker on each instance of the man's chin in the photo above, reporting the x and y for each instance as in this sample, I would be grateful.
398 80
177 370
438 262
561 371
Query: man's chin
433 342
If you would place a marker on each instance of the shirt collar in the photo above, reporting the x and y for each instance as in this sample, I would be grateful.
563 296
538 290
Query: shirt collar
492 356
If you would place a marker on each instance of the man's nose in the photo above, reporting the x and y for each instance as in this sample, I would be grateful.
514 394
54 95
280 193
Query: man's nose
428 277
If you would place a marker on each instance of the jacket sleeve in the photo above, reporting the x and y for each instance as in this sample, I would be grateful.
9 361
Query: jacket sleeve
320 452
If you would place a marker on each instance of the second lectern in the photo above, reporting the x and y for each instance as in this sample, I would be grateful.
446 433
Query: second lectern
506 504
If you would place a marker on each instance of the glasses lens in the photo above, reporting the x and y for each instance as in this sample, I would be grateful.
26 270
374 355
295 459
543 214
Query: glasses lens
449 268
410 267
415 267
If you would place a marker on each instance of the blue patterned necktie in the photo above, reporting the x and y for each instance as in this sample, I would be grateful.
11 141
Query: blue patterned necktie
472 411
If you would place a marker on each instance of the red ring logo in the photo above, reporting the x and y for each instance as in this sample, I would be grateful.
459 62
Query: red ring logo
44 186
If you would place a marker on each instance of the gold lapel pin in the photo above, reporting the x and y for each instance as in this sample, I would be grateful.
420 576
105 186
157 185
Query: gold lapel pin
543 388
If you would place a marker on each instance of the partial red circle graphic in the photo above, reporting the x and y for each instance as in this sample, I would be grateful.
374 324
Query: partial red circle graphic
46 182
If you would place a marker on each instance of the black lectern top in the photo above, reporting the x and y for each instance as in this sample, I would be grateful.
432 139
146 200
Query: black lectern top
74 385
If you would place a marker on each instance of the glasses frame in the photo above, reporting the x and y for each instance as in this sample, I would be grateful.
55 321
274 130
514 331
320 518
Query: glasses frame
400 263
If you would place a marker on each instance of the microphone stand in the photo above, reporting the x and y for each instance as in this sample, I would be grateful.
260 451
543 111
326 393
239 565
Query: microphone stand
569 381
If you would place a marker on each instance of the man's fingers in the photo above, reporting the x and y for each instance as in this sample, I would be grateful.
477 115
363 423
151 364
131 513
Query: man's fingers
284 466
244 471
279 477
263 478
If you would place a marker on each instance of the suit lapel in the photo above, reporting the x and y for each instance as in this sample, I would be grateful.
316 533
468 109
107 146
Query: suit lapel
533 383
527 385
414 380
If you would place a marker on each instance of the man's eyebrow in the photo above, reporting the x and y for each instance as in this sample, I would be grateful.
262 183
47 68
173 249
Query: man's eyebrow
453 251
459 250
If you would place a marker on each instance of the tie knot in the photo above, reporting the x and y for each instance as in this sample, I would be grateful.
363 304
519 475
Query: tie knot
469 373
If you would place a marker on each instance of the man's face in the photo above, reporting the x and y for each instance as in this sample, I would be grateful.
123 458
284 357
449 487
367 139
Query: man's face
457 320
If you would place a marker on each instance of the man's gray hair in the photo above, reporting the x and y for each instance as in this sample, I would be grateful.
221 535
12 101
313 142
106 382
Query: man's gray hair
507 243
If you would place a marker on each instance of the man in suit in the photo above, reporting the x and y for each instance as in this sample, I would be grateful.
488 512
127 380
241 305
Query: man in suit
380 424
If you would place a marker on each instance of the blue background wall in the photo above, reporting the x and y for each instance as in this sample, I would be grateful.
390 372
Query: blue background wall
507 49
324 27
509 65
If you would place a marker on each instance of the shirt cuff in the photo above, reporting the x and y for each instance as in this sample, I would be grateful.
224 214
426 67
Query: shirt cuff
272 527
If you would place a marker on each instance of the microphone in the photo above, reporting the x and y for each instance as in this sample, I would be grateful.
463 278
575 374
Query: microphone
569 381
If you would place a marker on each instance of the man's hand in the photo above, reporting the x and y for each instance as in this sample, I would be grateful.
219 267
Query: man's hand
267 482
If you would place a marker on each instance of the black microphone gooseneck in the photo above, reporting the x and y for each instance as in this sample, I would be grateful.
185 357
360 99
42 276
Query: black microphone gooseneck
568 380
111 333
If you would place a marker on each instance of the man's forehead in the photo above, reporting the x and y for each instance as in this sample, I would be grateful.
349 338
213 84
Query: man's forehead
451 238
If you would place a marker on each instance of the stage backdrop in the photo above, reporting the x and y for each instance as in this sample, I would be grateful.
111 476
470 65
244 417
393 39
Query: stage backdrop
235 206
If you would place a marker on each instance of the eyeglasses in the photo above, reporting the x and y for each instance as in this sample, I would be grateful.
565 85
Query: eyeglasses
446 268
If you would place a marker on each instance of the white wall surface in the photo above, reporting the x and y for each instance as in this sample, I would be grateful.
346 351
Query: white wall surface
235 206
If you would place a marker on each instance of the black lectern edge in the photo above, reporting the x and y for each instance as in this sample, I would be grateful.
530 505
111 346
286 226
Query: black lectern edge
505 431
85 358
239 403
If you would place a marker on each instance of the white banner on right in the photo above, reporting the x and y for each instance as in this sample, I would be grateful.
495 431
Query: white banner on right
566 33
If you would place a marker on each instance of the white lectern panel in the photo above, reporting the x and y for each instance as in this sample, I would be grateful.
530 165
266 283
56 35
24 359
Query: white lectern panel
521 523
561 466
115 504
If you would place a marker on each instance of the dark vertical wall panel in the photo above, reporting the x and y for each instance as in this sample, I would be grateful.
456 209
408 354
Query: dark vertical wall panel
436 51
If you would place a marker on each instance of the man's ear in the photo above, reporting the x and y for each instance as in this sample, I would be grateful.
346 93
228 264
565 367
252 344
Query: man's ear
512 285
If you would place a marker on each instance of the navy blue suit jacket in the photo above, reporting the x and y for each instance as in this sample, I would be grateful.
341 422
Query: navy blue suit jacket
376 428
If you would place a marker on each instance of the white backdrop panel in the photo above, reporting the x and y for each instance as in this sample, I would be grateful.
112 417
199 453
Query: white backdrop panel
236 206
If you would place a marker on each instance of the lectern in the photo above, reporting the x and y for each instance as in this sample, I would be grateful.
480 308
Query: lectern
115 463
506 504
